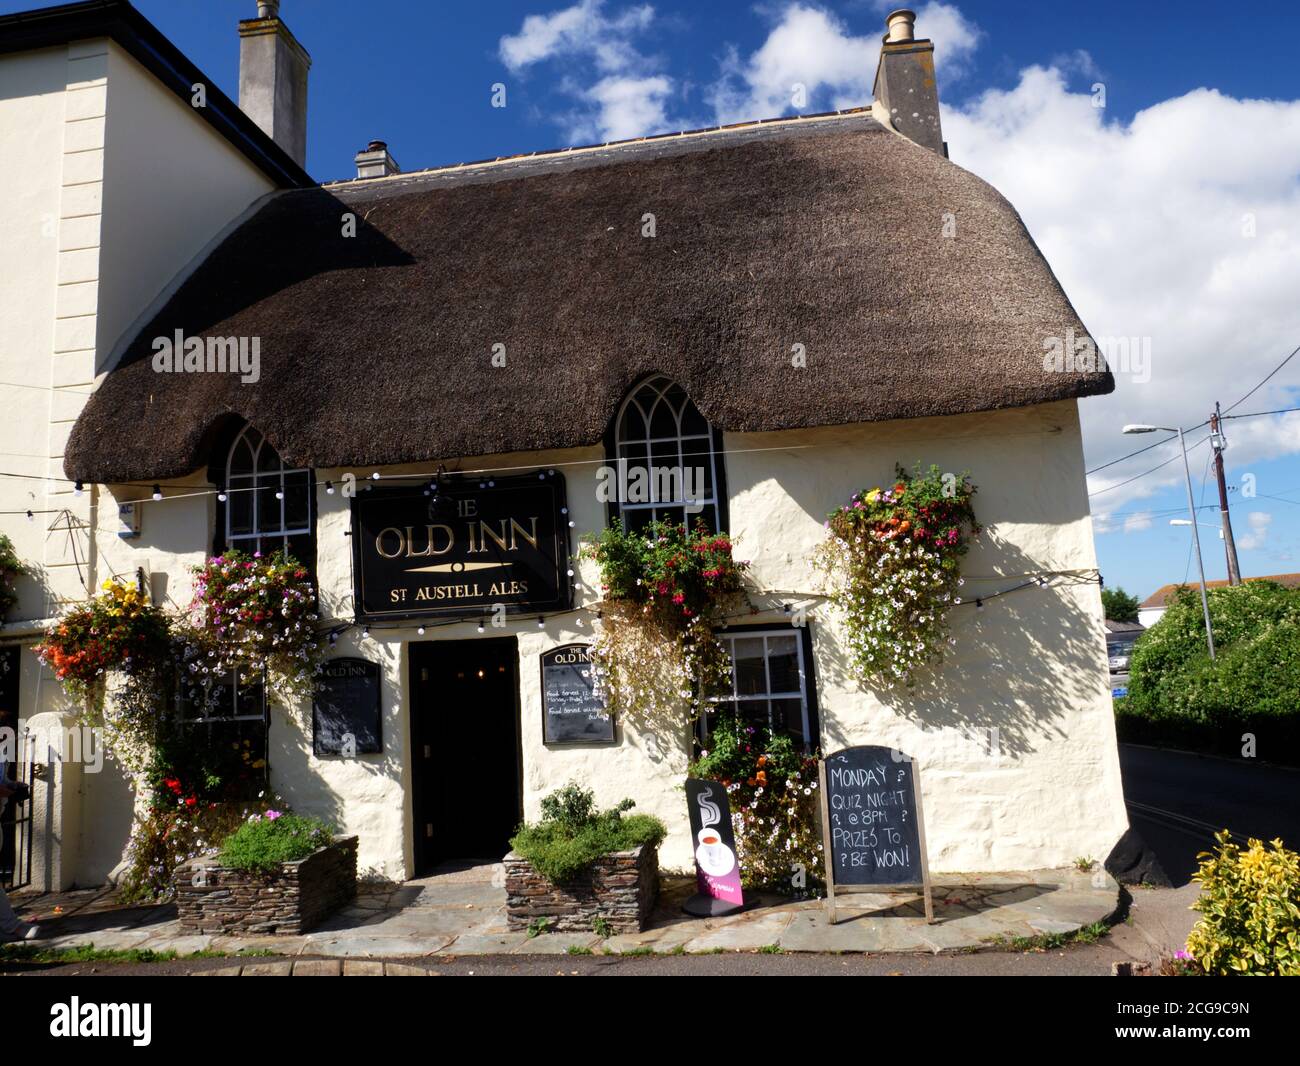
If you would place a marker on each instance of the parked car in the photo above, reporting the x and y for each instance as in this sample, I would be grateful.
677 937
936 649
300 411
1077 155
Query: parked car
1119 652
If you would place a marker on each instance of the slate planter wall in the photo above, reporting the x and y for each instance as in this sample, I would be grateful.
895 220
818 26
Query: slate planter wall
211 898
621 888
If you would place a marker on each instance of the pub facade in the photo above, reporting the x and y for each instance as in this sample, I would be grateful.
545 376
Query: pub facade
462 372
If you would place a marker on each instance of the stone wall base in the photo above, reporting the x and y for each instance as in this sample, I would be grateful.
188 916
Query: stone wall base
211 898
621 888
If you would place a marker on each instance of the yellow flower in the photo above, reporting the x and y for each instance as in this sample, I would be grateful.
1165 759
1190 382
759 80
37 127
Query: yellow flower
873 495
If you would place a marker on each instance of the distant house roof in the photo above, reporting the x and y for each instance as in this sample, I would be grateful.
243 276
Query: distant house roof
825 233
1124 628
1162 595
117 20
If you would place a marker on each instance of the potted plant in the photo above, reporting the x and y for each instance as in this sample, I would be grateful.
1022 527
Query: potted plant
277 873
581 869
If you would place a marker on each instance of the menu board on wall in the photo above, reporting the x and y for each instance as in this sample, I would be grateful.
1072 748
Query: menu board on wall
873 835
572 712
346 707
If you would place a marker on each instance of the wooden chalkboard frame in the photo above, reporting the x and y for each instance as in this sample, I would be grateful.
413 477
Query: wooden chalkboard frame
831 888
582 742
318 748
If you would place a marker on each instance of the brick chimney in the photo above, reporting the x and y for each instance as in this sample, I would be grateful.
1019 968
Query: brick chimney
375 162
905 87
273 70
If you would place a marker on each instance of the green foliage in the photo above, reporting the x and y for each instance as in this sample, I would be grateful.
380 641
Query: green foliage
266 840
892 560
1250 907
1178 694
573 834
538 926
1119 605
11 568
665 587
772 790
600 925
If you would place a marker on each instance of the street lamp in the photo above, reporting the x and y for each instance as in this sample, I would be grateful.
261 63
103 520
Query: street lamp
1191 508
1185 522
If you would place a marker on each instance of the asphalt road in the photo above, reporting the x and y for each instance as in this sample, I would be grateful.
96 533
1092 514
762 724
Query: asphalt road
1178 801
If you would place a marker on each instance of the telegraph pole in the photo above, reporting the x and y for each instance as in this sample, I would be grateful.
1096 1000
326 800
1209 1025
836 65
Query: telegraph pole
1219 442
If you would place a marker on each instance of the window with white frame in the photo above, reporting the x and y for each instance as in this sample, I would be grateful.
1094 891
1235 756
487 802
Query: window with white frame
667 459
268 506
770 683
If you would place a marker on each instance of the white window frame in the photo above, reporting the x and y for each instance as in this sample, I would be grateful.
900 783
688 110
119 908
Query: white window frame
660 385
259 479
719 702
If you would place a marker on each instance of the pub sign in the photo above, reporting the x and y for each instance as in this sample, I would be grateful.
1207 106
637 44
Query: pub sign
463 549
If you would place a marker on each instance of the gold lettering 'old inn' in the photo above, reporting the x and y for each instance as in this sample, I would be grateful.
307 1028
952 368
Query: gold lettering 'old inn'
440 539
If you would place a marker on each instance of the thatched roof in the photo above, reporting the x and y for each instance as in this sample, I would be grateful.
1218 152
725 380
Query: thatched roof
827 232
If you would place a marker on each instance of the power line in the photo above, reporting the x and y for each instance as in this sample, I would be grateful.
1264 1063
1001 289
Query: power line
1144 473
1256 389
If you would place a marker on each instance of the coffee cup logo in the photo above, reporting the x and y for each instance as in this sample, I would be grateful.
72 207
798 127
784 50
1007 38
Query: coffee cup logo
714 857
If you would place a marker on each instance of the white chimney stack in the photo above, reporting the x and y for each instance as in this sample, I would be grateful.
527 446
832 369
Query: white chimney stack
375 162
273 70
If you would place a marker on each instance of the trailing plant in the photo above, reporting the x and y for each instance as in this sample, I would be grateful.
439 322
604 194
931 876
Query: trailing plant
1250 907
772 791
665 587
115 631
253 614
892 559
573 834
273 837
11 568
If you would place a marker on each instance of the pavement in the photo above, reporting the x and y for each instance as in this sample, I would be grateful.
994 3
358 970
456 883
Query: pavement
461 912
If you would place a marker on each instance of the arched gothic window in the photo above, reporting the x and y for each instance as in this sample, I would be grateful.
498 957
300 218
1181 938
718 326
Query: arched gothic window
668 459
268 506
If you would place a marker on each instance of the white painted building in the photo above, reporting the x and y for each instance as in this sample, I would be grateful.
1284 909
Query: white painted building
376 357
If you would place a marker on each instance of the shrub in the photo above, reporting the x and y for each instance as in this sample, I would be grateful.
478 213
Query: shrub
573 833
1250 902
11 567
1178 695
266 840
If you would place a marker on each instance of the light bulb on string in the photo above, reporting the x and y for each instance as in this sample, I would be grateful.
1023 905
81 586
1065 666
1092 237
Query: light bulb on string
329 488
157 492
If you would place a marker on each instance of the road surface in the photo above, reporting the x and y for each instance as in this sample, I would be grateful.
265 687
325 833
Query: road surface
1177 802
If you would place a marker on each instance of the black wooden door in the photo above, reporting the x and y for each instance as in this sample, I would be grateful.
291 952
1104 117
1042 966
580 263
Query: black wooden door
466 770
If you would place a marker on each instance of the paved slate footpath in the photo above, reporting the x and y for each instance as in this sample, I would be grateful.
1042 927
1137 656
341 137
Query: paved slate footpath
459 913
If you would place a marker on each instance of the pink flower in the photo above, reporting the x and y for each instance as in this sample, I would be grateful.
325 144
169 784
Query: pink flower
271 816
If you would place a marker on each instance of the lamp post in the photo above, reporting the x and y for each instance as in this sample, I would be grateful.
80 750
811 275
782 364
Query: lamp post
1191 511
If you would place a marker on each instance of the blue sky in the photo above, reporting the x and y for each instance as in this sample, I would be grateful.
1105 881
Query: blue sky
1171 214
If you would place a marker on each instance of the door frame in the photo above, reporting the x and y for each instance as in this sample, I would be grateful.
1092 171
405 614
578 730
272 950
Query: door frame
423 653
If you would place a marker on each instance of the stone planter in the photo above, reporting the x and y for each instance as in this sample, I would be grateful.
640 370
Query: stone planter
212 898
621 888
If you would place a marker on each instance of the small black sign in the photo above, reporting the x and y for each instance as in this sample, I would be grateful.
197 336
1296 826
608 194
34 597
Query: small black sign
874 829
345 711
464 549
717 869
572 713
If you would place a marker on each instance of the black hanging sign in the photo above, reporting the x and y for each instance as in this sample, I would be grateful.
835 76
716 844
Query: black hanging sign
873 835
345 710
463 549
572 713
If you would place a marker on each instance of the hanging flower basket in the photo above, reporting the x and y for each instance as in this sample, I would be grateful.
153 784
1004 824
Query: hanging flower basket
892 559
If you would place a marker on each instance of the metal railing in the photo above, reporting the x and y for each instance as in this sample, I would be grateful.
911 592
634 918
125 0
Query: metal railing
17 820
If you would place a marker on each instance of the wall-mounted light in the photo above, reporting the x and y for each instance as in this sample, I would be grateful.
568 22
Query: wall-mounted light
157 492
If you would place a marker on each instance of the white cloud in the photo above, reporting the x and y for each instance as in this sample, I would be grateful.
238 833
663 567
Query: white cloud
582 30
1146 223
810 47
1257 534
1135 523
626 107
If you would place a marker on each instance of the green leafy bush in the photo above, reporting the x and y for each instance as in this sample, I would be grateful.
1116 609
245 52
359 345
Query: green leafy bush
1177 695
11 567
573 833
1250 902
266 840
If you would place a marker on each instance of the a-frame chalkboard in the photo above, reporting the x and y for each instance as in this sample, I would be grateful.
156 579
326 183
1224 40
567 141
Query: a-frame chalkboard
873 832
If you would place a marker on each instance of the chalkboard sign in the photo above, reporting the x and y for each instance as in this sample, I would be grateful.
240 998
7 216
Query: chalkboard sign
345 710
572 713
873 835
